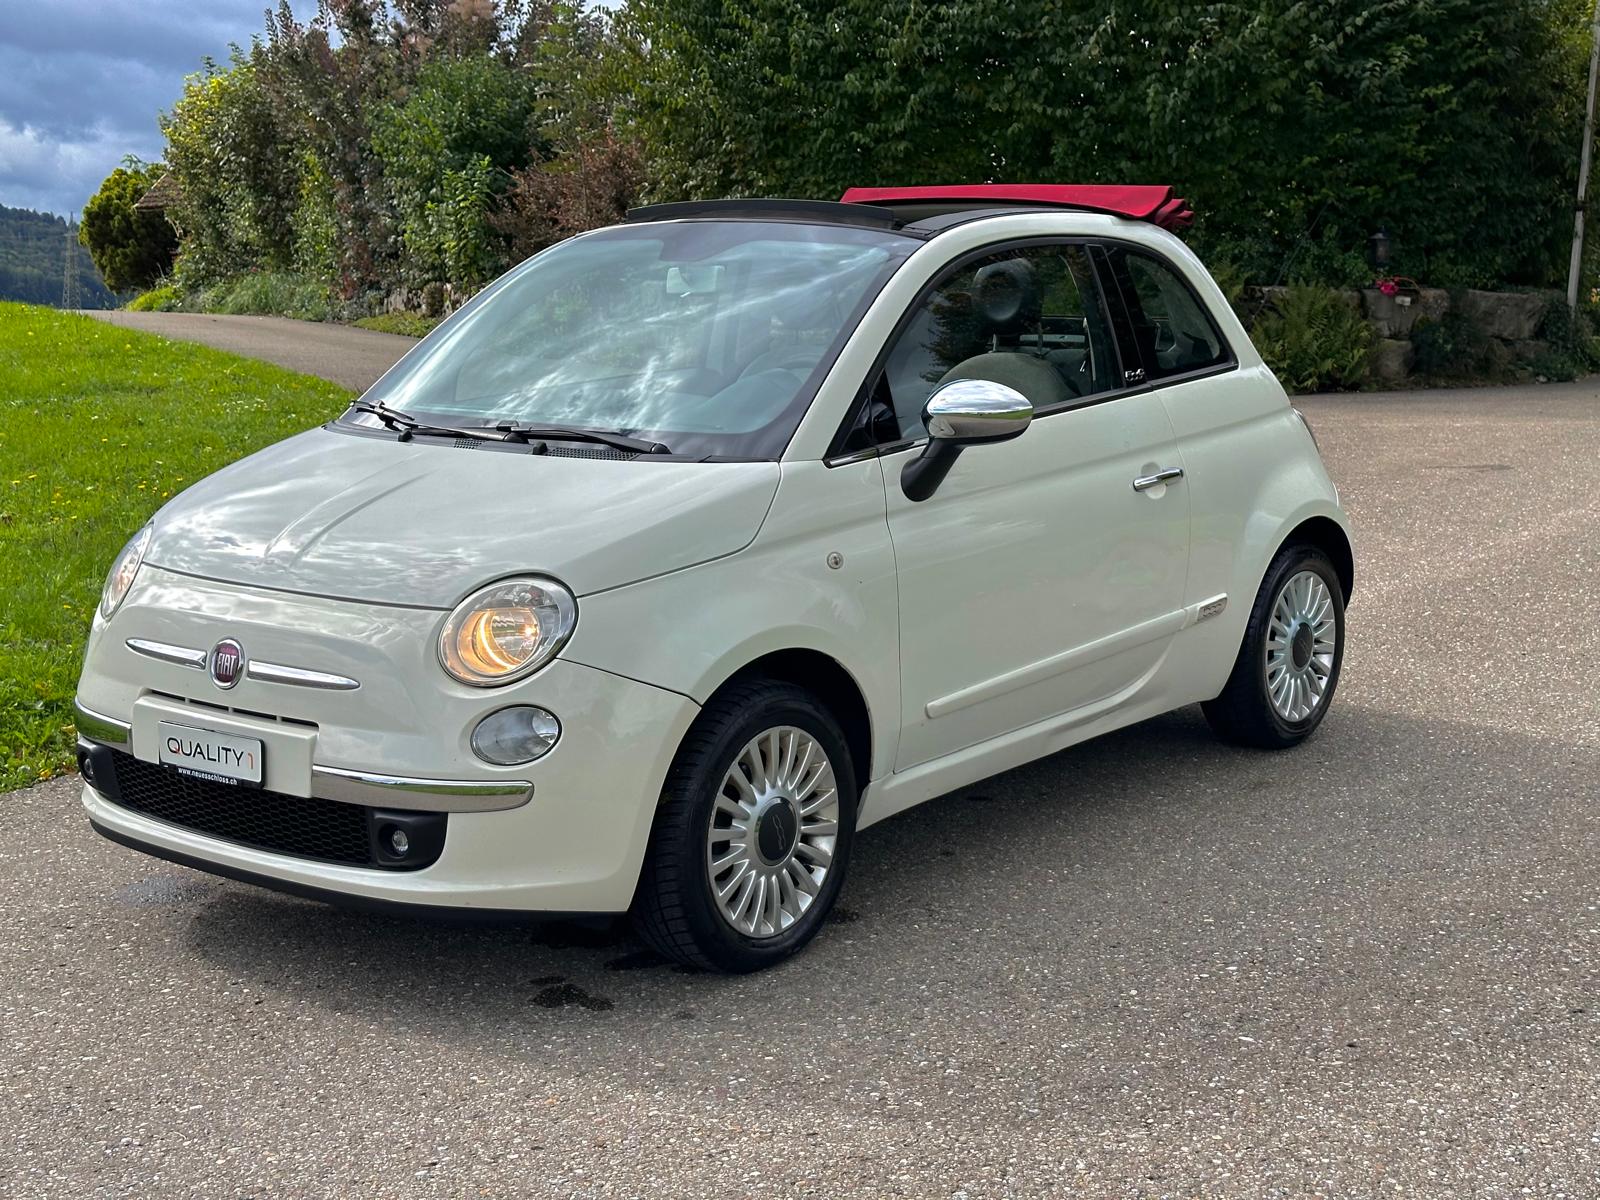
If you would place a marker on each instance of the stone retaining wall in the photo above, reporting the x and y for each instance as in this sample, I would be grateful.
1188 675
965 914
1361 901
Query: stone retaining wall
1511 318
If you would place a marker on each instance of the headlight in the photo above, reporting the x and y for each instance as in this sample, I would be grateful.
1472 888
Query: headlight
507 630
122 572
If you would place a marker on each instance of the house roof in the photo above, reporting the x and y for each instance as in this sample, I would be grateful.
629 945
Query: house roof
162 194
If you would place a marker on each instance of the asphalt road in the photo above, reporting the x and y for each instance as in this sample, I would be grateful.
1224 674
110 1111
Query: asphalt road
1148 966
351 357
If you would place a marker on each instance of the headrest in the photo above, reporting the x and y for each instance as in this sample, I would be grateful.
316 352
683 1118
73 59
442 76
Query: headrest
1005 298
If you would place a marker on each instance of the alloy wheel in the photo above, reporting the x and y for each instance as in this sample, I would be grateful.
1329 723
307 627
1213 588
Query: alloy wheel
773 826
1300 646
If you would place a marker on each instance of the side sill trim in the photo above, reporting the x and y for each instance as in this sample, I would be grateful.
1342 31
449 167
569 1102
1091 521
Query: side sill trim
1090 652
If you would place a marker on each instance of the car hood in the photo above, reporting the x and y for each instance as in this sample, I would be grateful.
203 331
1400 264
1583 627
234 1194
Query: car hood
388 522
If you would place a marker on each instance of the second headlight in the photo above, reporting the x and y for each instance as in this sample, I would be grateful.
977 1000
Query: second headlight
507 630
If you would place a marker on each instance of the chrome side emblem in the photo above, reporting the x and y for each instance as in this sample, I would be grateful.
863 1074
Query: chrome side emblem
1211 608
226 663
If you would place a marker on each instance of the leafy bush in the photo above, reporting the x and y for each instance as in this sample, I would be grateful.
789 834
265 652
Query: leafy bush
405 324
163 298
233 159
1574 348
590 186
267 293
1297 129
1314 341
1454 348
132 248
446 151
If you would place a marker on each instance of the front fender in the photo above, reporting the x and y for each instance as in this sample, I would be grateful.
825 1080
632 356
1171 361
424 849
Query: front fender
693 630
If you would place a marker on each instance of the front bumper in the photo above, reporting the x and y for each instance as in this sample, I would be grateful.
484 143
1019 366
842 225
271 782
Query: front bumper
371 788
566 833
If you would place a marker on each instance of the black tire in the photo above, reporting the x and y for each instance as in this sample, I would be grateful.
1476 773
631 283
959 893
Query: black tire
1243 713
674 909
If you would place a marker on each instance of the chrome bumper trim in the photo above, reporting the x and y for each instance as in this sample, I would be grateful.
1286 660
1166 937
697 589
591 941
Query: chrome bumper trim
95 727
429 795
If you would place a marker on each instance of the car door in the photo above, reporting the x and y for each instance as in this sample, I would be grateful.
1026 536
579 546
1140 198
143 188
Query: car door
1037 581
1228 432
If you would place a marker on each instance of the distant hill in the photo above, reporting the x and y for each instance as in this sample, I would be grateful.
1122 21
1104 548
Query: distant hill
33 247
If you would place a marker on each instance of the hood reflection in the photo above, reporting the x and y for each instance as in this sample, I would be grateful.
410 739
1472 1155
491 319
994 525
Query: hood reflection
377 520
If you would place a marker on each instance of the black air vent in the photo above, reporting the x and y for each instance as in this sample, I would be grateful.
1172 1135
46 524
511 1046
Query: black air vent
302 826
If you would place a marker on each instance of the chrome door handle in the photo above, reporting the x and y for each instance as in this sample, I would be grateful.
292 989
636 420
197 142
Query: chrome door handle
1146 482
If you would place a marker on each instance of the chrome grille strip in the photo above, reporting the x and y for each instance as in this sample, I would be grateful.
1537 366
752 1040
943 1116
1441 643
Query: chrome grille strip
166 652
298 676
266 672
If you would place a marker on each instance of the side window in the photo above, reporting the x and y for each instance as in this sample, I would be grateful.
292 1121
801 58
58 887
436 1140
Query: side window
1170 326
1030 318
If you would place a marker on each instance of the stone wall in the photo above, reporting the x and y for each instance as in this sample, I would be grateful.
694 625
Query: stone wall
1511 318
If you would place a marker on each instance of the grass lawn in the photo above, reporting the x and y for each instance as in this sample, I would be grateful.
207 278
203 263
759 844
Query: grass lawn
98 427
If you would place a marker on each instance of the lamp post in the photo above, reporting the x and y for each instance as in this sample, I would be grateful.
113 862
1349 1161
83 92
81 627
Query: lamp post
1378 245
1583 166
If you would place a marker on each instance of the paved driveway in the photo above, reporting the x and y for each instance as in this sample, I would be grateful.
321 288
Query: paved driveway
351 357
1149 966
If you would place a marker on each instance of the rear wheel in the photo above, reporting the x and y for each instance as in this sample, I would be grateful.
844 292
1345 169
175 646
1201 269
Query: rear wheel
1288 664
753 834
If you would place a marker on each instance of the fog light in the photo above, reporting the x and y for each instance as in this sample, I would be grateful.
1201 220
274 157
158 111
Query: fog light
515 735
399 843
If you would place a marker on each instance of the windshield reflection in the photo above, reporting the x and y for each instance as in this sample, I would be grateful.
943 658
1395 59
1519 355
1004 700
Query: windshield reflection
711 336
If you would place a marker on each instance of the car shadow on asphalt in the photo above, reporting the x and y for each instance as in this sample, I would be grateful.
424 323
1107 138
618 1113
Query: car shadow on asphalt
1151 853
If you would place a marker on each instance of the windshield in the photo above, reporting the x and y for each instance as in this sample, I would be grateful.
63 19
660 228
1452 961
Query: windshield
708 336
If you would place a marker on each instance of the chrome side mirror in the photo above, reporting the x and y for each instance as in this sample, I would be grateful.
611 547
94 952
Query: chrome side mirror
962 413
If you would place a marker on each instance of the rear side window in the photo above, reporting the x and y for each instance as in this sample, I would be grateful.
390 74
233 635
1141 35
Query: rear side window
1170 327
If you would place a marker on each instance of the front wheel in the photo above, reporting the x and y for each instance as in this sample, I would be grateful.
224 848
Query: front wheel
1288 664
753 834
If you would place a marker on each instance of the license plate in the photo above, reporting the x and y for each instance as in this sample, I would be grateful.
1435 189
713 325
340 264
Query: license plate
205 754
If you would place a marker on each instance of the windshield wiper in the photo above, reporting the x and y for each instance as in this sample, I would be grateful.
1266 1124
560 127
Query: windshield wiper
506 431
617 441
408 426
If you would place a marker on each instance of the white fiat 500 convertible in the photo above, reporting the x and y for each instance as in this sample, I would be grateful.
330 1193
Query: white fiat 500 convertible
696 544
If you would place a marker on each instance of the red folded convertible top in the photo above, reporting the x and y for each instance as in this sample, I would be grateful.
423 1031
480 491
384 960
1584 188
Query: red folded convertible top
1154 204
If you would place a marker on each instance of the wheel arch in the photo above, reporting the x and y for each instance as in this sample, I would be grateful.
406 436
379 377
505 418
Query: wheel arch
1328 536
826 678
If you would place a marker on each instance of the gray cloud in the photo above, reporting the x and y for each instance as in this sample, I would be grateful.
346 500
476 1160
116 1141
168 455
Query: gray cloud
82 83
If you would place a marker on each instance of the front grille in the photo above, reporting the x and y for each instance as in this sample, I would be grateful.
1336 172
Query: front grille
305 827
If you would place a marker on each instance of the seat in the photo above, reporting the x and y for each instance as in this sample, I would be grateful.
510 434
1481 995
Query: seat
1005 301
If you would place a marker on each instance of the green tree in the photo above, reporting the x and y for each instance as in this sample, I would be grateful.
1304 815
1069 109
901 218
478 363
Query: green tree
1296 126
233 155
132 248
447 151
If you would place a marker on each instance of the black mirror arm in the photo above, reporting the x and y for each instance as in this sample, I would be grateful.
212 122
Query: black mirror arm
921 477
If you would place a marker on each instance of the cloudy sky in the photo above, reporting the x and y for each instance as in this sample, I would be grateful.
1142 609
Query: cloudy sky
81 82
